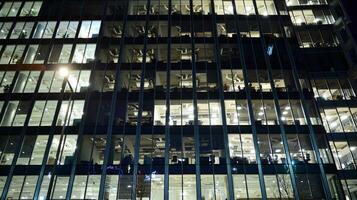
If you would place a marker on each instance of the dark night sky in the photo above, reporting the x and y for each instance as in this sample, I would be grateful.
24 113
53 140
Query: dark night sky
351 8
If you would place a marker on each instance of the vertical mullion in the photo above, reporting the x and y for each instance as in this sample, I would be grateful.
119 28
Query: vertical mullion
167 102
195 107
140 103
223 109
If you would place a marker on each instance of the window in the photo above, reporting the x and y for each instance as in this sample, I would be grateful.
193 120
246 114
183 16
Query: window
344 155
22 187
44 30
350 188
266 7
89 29
209 113
51 82
43 113
271 149
292 112
36 54
67 147
182 185
264 112
245 7
317 39
78 81
70 115
87 187
16 112
31 8
8 147
332 120
241 148
5 29
233 80
246 186
26 82
60 187
92 150
332 89
67 29
300 149
340 119
13 54
214 186
181 113
236 112
60 53
278 186
300 17
223 7
6 79
84 53
305 2
114 29
10 9
22 30
32 150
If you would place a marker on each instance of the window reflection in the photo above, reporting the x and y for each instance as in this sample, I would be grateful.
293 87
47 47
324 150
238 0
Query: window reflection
242 149
67 147
237 112
33 149
84 53
22 187
10 9
182 186
43 113
264 112
6 78
340 119
246 186
5 29
13 54
44 29
26 81
214 187
70 113
302 17
22 30
87 187
305 2
31 8
36 54
89 29
300 149
15 113
67 29
344 154
8 147
60 53
333 89
233 80
271 149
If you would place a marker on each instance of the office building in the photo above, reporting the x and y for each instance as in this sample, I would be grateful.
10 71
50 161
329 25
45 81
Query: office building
177 99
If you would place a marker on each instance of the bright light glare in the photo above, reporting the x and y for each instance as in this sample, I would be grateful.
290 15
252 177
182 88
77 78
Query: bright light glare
63 71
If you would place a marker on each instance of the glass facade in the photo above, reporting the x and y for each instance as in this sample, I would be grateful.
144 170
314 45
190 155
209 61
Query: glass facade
177 99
